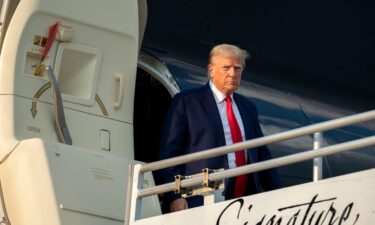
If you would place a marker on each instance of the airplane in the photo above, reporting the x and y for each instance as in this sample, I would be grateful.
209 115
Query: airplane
114 94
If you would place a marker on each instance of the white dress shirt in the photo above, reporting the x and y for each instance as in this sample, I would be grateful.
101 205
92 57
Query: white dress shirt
221 105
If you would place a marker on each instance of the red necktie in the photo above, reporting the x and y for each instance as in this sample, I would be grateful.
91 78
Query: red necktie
241 181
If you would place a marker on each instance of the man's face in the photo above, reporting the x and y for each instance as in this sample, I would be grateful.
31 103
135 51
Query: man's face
225 73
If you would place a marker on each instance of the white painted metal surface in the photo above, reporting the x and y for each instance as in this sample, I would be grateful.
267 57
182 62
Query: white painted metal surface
318 162
51 183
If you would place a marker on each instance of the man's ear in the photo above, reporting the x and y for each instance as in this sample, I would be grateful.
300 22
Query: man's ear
209 70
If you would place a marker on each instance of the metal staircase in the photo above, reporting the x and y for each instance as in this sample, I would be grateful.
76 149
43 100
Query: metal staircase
353 193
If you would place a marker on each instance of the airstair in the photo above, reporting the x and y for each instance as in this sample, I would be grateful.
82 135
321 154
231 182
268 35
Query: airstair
346 199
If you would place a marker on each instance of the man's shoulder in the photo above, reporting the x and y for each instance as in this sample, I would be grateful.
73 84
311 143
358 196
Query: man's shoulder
245 102
192 92
242 98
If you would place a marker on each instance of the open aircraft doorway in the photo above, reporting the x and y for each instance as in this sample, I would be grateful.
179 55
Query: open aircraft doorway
155 86
151 103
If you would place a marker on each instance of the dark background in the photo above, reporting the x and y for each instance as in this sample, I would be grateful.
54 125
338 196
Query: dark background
322 43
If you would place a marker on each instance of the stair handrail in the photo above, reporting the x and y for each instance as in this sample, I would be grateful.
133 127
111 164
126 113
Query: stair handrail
253 143
263 165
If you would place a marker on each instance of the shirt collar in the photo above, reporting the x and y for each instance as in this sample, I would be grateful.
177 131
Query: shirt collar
219 96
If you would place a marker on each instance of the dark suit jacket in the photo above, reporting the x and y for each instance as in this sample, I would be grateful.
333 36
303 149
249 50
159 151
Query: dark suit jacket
193 124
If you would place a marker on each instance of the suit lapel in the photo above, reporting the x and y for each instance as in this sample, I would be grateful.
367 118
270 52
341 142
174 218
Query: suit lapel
213 115
246 120
248 124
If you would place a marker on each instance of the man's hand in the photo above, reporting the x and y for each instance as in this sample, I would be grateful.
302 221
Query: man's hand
178 204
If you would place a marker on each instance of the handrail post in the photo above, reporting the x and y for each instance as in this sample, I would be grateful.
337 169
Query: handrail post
133 203
318 162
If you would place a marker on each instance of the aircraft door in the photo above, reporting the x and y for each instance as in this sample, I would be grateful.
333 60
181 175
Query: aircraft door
94 56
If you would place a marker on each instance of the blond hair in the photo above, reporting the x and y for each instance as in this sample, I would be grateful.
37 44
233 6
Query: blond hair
230 51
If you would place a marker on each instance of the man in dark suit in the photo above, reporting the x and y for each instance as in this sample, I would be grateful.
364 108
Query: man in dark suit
213 116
